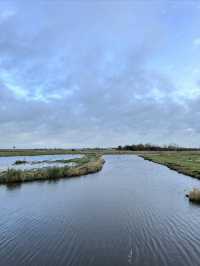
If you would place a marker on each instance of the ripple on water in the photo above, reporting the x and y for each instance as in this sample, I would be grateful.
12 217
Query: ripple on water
133 212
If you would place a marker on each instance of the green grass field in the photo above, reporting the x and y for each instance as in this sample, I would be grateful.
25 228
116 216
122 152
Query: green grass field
36 152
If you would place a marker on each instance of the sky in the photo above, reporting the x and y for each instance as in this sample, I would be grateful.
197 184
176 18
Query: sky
99 73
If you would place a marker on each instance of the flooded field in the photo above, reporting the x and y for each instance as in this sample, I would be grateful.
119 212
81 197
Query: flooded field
9 162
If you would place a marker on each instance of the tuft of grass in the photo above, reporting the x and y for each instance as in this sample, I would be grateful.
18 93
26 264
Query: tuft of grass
12 175
194 195
54 172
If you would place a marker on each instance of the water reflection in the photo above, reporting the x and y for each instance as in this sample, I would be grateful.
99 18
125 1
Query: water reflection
13 186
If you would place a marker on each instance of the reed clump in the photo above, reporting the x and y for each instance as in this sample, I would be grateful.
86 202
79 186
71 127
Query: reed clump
194 195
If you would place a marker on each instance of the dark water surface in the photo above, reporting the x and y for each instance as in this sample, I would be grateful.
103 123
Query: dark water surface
133 212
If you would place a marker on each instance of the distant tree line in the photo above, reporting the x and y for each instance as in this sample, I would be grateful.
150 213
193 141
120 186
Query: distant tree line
151 147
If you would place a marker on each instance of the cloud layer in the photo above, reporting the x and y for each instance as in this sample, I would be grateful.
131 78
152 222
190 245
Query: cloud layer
98 74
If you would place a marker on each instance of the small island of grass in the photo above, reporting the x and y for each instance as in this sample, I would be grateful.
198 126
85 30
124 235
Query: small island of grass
194 195
90 163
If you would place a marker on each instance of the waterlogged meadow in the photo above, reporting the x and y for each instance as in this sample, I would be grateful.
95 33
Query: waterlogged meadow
31 162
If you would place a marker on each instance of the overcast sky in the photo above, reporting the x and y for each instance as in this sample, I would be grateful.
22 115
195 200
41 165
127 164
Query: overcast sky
99 73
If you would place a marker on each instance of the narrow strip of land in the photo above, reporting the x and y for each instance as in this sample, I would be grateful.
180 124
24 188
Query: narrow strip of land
87 164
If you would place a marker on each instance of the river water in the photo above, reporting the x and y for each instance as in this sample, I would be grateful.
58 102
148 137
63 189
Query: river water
133 212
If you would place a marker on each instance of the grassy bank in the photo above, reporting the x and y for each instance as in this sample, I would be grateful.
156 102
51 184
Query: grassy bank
187 163
84 165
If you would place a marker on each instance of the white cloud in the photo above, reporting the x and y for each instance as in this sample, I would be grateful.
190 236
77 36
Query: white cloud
78 76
